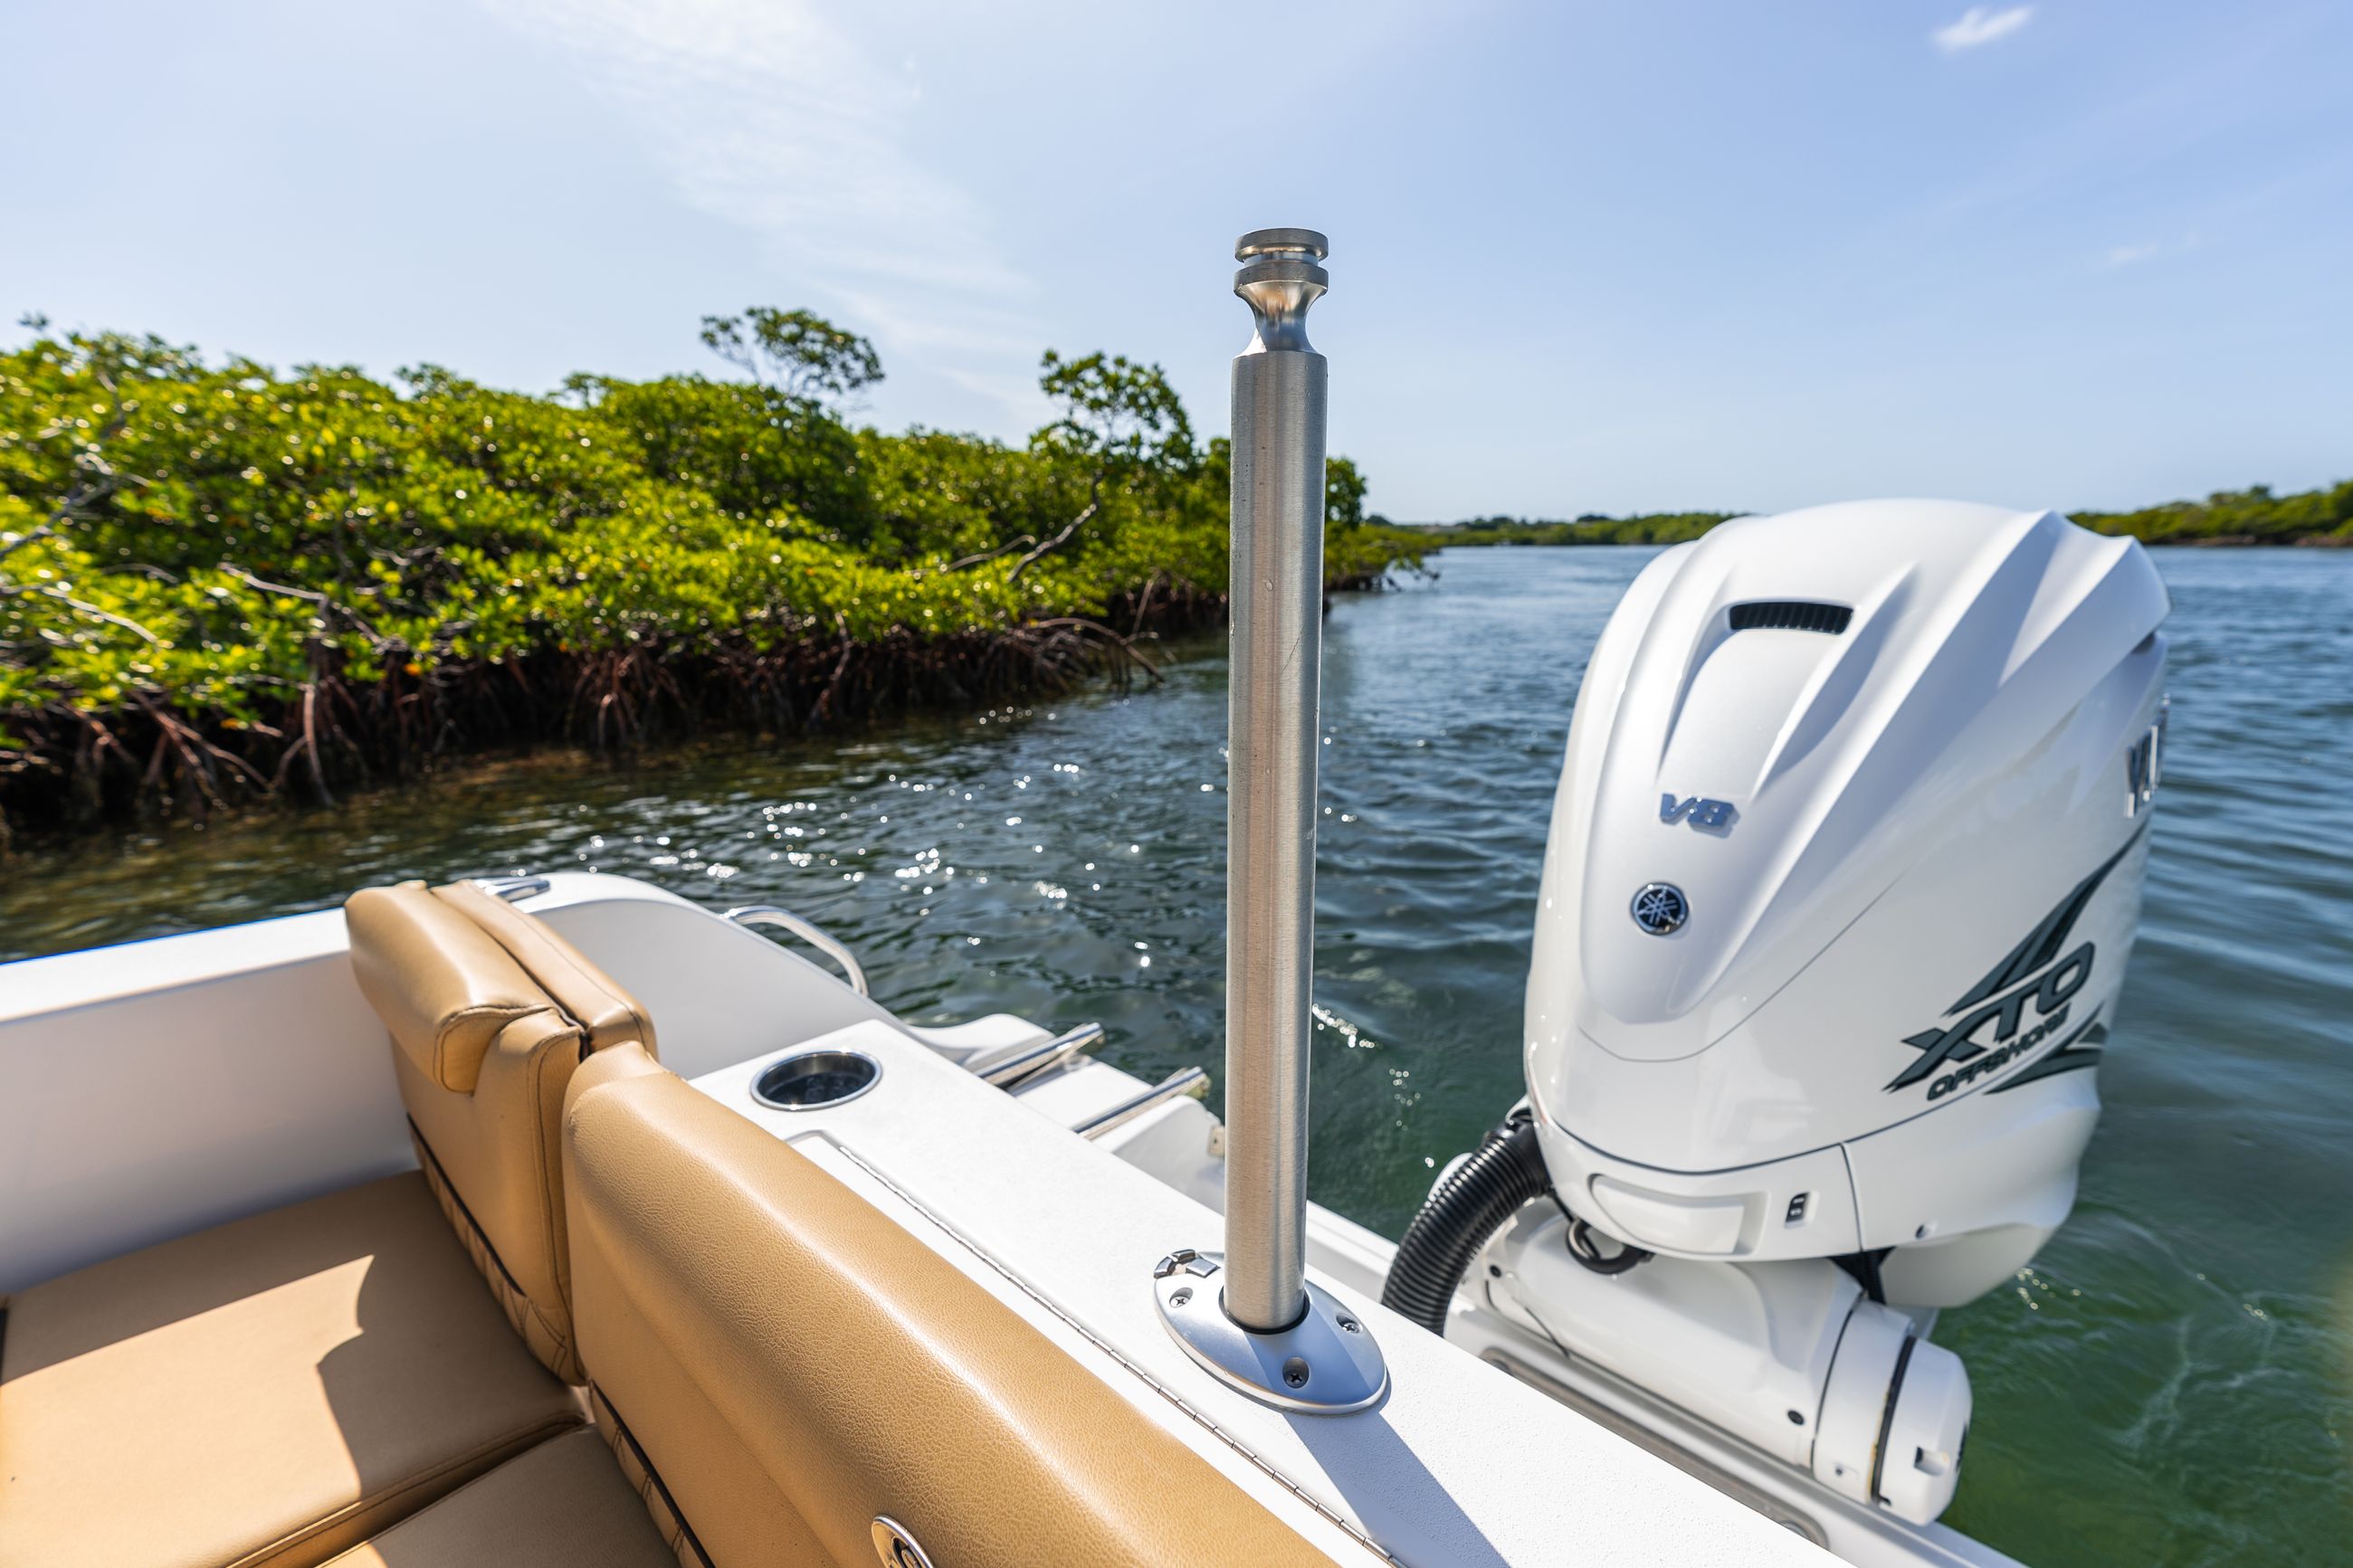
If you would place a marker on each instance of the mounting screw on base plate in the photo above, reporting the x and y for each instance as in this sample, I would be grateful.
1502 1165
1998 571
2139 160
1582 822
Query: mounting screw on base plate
1324 1365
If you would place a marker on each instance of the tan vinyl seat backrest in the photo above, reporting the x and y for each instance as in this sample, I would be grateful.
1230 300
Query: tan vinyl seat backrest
607 1014
777 1363
484 1050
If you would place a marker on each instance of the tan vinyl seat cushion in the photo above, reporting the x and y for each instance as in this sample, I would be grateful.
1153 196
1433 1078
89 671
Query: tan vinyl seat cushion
789 1363
269 1392
563 1504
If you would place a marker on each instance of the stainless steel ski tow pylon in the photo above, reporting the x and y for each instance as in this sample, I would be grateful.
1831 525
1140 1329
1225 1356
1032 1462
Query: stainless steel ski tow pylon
1251 1315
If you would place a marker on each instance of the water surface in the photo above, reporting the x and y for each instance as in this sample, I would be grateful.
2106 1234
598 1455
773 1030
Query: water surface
2167 1383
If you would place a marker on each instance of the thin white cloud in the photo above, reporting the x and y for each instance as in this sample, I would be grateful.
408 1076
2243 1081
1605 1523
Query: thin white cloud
766 114
1980 24
2132 255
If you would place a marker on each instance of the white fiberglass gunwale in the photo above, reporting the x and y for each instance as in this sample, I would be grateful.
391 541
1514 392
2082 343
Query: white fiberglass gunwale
153 1089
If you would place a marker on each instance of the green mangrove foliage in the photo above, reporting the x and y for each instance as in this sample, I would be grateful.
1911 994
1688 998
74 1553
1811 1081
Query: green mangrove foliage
1655 528
217 579
2253 516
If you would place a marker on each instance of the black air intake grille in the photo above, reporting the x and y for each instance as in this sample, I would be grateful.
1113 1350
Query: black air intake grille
1791 615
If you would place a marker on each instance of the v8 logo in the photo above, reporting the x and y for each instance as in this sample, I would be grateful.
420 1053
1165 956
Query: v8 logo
1706 816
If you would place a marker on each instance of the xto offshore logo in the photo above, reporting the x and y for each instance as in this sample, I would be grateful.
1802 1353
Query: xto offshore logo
2011 1037
2022 1005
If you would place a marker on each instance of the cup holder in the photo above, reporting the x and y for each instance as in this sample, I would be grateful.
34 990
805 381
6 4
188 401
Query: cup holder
814 1080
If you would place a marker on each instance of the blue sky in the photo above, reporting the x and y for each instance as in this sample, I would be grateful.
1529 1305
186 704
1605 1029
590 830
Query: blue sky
1586 256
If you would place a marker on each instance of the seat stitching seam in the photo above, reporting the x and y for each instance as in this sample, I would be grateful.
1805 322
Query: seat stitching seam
509 1012
653 1476
573 973
551 1201
517 1301
529 1435
561 1341
459 1199
548 958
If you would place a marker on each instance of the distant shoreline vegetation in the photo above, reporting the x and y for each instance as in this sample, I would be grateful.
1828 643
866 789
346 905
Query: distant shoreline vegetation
222 583
2321 518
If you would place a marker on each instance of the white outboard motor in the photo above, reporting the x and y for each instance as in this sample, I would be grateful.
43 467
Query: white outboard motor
1843 870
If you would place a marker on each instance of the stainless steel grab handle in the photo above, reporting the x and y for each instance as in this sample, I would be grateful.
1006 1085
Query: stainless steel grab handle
770 915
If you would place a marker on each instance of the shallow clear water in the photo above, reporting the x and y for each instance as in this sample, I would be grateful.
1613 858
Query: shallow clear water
2169 1383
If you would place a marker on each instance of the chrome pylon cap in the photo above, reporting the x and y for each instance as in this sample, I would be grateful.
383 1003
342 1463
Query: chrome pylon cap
1278 279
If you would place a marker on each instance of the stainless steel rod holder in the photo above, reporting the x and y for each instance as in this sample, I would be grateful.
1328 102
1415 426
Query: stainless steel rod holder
1250 1316
1184 1083
1277 601
1013 1065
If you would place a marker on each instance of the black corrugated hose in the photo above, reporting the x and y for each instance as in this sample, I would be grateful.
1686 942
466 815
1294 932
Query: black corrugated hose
1461 1212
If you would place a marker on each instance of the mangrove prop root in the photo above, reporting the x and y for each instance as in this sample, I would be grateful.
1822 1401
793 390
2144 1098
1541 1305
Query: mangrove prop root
74 770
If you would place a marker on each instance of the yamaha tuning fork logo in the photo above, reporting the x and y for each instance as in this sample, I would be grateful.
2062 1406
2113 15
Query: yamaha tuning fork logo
1660 907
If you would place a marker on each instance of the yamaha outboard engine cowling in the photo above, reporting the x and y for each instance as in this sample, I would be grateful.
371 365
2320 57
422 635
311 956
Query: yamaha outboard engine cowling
1843 870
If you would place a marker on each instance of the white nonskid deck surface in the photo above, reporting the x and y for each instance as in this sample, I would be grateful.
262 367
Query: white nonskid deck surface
1459 1467
1170 1144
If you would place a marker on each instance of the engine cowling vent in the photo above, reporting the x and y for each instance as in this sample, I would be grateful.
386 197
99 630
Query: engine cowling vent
1791 615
